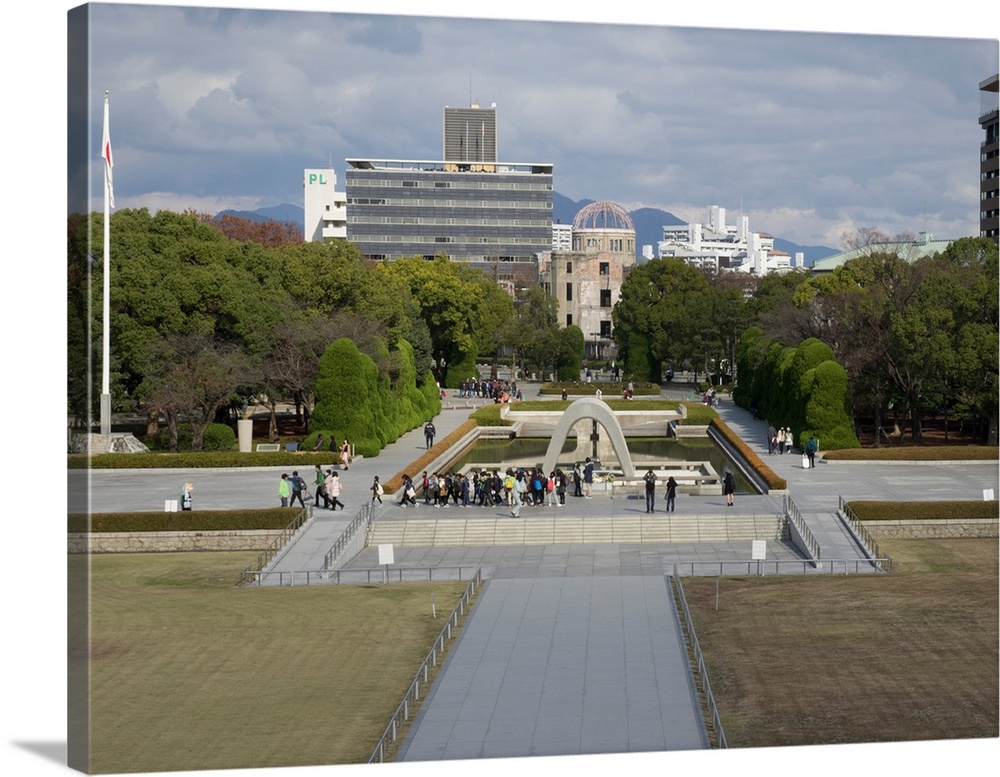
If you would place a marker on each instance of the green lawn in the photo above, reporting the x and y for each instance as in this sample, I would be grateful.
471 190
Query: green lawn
191 672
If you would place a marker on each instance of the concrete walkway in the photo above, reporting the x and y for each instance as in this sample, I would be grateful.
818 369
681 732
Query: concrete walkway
572 647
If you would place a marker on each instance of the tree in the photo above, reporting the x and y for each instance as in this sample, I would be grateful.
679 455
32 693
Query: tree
268 233
461 307
195 375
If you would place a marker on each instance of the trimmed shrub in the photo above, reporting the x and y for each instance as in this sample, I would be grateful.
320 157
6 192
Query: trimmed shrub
346 395
463 369
826 411
218 437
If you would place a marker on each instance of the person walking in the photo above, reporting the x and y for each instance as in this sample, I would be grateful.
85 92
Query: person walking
650 480
561 487
588 479
186 496
409 493
318 446
811 447
429 432
376 490
781 441
520 487
772 439
671 493
284 489
319 480
298 486
333 487
345 454
577 480
729 487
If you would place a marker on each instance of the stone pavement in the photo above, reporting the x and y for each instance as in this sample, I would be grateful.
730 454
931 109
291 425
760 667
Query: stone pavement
571 648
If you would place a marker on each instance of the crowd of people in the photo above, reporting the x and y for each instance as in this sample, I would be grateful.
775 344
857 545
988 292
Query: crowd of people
499 391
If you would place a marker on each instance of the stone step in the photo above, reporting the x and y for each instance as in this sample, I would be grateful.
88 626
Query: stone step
539 530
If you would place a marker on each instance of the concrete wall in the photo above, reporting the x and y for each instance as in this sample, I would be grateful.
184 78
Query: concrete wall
930 529
169 541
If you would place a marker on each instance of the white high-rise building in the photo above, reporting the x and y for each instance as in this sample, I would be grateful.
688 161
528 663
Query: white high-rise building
325 208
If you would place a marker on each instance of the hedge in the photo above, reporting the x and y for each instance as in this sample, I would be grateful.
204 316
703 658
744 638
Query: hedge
774 482
916 453
962 510
189 520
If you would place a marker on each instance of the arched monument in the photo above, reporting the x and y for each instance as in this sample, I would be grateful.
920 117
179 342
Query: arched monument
596 410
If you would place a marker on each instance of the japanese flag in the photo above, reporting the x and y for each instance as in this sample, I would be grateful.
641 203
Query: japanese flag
106 153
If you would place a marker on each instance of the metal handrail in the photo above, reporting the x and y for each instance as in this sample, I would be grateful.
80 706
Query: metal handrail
792 514
363 575
863 534
272 550
362 519
412 696
712 707
760 567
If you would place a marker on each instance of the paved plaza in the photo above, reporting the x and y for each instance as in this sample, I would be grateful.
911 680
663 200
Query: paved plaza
571 647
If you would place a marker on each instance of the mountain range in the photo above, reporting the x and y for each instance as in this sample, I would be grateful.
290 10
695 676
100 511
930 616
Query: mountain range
649 223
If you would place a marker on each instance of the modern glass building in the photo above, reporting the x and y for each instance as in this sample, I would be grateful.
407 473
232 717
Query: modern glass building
494 216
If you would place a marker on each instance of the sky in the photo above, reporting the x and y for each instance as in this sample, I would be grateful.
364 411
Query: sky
812 134
196 139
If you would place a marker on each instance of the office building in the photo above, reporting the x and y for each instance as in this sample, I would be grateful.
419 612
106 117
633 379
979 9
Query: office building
989 177
495 216
470 134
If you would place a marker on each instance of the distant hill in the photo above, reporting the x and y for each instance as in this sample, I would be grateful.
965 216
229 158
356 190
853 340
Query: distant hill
649 223
284 212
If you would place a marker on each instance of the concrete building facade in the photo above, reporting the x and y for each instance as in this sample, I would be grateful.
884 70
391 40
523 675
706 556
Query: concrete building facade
482 214
989 160
720 247
325 209
586 281
470 134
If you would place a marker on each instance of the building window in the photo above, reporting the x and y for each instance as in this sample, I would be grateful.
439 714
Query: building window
605 268
569 268
605 298
606 329
569 292
569 319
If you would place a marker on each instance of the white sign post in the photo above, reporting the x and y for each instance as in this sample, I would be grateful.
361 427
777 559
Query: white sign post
385 558
758 552
988 495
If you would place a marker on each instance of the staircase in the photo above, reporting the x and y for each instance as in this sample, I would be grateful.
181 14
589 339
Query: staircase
548 530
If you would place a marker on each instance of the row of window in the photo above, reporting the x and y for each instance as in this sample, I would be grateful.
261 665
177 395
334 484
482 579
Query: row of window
470 185
605 326
457 240
605 300
482 222
434 203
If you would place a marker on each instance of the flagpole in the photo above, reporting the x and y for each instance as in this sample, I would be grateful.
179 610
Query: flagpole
106 329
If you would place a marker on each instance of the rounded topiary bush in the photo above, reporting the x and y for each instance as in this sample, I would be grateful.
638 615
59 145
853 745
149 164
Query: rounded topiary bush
218 437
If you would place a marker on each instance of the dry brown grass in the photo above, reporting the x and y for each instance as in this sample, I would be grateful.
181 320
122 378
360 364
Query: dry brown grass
820 660
191 672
